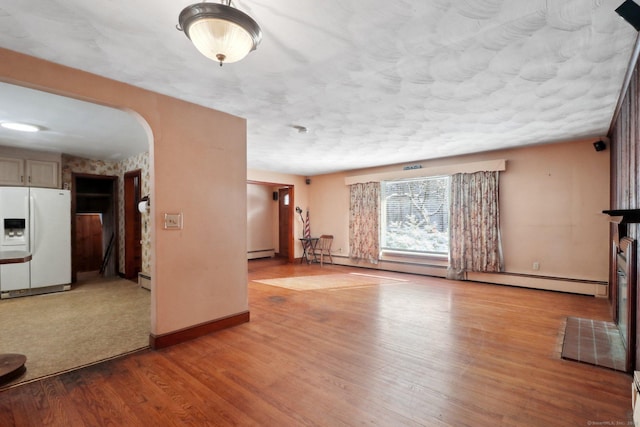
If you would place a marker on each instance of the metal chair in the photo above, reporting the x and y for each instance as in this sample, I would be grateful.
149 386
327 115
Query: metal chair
323 248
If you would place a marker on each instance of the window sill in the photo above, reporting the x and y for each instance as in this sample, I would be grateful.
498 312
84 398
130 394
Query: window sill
427 259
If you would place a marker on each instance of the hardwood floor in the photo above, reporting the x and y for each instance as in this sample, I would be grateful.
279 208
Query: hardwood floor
425 352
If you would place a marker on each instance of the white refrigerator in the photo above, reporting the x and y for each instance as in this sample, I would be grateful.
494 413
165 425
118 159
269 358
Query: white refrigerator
47 237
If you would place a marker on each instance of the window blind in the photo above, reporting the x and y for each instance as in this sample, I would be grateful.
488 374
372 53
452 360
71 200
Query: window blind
415 215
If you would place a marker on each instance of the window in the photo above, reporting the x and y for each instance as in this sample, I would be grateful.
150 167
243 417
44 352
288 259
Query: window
415 216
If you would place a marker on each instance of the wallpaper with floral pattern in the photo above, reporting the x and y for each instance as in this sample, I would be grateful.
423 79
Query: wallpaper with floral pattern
72 164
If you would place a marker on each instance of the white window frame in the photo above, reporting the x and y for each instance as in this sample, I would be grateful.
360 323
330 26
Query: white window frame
390 254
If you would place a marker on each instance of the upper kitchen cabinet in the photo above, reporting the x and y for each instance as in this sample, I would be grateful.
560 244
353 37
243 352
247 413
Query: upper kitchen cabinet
11 171
29 168
43 173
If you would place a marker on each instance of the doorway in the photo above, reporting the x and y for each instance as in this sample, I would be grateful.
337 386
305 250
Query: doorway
282 226
94 211
132 225
284 222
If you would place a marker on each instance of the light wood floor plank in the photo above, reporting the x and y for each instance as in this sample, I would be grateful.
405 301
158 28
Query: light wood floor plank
422 352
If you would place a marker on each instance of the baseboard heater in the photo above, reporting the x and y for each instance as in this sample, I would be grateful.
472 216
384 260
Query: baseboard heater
262 253
144 280
574 286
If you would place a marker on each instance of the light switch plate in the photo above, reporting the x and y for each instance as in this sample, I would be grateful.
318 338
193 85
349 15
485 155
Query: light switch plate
173 221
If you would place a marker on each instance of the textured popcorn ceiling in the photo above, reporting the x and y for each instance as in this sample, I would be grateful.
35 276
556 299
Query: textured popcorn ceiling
375 82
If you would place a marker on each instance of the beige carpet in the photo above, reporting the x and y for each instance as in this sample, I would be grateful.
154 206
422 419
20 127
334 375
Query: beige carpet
94 321
329 281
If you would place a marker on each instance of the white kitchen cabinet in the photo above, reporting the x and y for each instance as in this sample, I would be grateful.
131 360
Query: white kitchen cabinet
11 171
43 173
29 171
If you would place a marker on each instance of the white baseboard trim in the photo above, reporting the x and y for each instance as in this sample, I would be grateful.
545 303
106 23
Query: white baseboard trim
264 253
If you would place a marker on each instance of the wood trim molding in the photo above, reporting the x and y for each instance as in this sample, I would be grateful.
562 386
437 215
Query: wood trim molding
625 216
166 340
486 165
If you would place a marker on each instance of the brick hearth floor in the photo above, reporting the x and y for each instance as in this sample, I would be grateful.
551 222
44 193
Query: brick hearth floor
595 342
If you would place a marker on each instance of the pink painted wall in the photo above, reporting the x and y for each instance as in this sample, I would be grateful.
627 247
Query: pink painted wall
197 165
551 199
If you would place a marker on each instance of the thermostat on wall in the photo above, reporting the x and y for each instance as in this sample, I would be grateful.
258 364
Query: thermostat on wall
173 221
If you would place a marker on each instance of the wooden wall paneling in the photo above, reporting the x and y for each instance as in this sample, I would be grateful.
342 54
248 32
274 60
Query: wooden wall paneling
614 138
618 183
614 146
624 165
629 169
625 169
621 183
622 138
633 138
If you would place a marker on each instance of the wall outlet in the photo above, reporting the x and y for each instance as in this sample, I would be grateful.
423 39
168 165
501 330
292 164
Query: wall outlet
536 265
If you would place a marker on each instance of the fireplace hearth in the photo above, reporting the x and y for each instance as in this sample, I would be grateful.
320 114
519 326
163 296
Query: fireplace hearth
623 283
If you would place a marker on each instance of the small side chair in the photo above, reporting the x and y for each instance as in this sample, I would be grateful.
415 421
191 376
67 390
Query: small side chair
323 248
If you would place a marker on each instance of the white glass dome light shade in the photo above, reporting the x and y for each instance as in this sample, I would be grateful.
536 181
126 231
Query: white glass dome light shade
220 32
215 37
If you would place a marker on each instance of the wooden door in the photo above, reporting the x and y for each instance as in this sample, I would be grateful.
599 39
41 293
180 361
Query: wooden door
284 221
88 242
132 225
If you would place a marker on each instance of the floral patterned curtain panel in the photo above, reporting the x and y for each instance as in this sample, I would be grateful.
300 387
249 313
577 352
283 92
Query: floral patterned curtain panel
474 243
363 221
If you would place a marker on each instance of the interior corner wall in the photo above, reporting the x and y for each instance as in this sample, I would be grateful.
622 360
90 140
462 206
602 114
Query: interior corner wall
197 168
551 202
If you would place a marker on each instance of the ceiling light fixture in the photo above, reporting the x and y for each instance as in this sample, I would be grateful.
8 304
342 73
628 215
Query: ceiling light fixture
22 127
220 31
